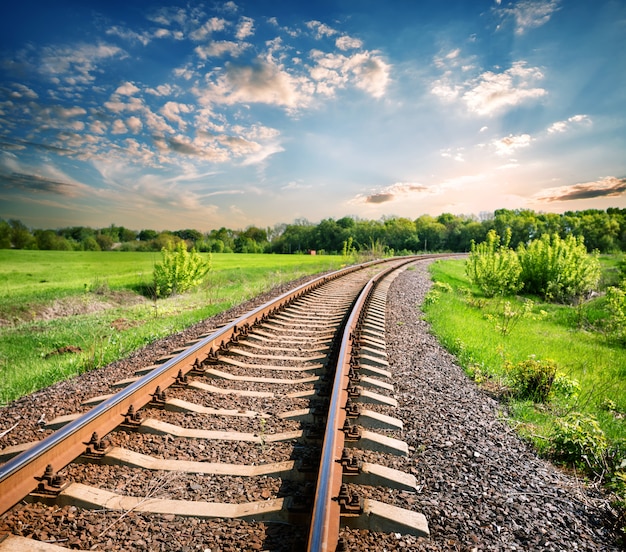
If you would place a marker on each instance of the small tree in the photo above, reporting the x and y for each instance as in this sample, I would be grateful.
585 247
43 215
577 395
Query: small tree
179 271
493 266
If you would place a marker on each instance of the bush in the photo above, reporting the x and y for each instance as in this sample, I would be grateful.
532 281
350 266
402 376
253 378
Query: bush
578 440
557 269
616 308
179 271
532 379
565 387
493 267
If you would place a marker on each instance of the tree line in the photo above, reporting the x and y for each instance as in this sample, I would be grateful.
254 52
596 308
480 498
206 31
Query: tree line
603 231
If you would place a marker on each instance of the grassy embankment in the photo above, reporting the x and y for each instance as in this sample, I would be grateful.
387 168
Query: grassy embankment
582 424
62 313
471 327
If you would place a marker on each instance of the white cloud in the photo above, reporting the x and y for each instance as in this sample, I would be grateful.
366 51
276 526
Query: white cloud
367 71
173 112
98 127
260 82
529 14
507 145
372 74
220 48
245 28
455 154
21 91
397 191
321 29
127 89
445 90
75 64
347 43
563 126
212 25
116 105
119 127
129 35
492 92
161 90
296 185
134 124
609 186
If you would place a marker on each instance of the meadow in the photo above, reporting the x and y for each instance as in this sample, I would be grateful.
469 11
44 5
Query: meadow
488 336
65 312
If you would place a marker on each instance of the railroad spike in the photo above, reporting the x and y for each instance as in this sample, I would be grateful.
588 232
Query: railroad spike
96 447
351 432
181 379
51 483
158 397
350 503
212 357
350 464
353 410
132 418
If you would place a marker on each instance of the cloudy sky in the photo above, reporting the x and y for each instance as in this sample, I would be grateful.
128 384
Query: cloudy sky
171 115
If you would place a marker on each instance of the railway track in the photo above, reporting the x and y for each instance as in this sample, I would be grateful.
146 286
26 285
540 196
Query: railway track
277 418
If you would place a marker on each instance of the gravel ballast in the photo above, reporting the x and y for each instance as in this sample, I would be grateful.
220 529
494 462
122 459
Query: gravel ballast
481 487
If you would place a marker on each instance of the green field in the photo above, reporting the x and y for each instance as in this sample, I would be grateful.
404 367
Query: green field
470 327
62 313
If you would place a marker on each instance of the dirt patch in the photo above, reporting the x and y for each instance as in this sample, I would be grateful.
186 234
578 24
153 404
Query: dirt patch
86 303
64 350
121 324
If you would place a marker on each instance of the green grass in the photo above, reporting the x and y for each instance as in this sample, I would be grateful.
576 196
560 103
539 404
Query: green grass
33 283
468 326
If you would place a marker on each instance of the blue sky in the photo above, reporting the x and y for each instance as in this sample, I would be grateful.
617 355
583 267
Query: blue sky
171 115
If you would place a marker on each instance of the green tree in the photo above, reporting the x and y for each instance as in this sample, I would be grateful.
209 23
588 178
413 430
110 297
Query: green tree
5 234
147 235
89 244
47 240
105 241
401 235
329 236
431 233
21 238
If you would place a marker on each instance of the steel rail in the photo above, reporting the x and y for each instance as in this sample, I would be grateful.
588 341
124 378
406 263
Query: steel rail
326 516
19 476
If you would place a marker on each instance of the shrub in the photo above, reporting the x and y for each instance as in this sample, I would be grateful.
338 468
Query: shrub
557 269
565 387
493 266
578 440
179 271
616 308
532 379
